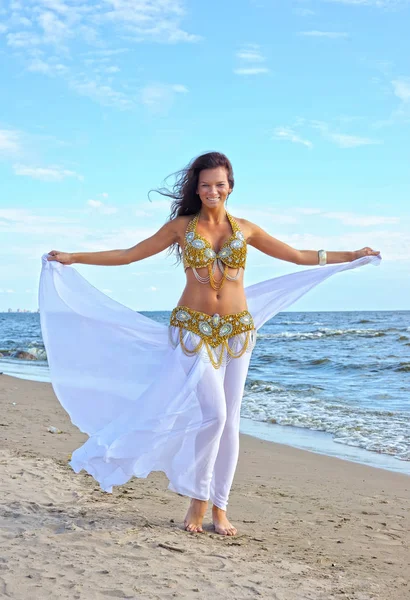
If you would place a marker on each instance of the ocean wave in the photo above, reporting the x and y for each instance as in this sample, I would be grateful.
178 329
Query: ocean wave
35 351
382 431
332 364
316 323
323 332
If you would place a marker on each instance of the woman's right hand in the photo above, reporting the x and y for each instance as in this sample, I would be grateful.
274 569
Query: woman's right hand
64 258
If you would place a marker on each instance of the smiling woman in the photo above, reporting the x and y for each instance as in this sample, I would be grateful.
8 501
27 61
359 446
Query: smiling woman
174 404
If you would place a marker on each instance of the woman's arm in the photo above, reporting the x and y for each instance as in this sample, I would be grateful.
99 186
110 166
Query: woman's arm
259 239
166 236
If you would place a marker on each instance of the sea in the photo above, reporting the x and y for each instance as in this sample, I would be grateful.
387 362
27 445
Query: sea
336 383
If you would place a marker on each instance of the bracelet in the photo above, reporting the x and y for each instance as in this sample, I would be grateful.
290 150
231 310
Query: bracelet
322 257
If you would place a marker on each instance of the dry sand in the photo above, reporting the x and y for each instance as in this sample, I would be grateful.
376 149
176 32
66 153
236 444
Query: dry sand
310 526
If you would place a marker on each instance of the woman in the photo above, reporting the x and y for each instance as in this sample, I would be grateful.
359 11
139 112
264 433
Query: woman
174 405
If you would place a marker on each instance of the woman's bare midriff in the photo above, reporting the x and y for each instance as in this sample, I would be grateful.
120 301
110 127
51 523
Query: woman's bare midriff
203 298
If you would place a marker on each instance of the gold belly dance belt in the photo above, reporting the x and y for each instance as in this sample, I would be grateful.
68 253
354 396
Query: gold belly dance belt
218 338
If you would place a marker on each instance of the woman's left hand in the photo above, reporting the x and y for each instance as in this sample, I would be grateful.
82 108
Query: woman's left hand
365 252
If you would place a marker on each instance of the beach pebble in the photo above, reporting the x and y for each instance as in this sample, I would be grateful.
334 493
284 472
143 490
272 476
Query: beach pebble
54 430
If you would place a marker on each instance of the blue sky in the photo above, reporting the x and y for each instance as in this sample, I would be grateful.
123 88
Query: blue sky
100 101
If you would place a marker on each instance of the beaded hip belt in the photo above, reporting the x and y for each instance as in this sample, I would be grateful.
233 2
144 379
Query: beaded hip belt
212 329
222 337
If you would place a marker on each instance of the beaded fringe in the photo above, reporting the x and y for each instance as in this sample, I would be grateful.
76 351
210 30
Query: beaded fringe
233 347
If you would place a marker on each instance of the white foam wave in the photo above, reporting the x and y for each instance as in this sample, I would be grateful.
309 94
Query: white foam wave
382 431
322 332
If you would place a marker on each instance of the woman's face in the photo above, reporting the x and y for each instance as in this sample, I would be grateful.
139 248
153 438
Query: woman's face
213 187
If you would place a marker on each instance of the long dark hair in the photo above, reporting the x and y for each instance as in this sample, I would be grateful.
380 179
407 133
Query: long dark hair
183 193
185 200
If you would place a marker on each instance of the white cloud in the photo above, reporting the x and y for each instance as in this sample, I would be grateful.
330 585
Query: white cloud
180 89
45 173
37 65
360 220
57 6
158 20
94 203
394 246
251 53
350 141
22 215
325 34
251 70
101 93
3 28
267 217
23 39
250 57
10 142
303 12
40 232
54 30
341 139
112 69
58 21
401 88
101 207
287 134
401 112
308 211
376 3
59 28
20 146
159 97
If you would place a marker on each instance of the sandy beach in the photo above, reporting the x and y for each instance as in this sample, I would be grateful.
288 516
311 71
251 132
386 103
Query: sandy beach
310 526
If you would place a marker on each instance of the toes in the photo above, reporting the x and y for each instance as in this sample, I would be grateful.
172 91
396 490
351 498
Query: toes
193 528
227 530
221 530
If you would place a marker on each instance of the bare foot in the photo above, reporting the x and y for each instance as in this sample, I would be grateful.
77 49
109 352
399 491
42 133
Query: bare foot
221 523
195 516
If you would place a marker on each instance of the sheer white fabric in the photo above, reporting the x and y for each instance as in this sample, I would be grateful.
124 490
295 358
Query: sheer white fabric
145 405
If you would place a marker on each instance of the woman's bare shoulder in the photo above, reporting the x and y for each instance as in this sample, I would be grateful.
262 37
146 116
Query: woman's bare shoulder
181 222
246 226
179 225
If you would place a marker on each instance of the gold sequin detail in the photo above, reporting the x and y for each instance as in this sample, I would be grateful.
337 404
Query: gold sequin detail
214 332
198 253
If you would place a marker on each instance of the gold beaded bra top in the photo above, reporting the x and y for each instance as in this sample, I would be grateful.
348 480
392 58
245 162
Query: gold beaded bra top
198 253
